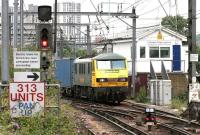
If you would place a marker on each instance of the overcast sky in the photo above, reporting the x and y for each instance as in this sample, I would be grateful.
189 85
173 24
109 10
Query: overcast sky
150 12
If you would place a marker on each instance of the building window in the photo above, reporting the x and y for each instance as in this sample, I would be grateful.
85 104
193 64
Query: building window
164 52
154 52
64 7
142 52
64 19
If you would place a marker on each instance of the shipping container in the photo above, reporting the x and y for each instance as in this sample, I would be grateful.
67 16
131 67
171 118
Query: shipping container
64 72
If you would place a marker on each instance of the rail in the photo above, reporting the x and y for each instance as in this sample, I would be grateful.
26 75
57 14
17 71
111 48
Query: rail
123 126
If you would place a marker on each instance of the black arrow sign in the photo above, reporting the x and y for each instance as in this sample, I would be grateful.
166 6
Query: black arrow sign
34 76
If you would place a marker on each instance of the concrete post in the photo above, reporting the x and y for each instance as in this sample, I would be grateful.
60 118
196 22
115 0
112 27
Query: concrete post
15 24
133 52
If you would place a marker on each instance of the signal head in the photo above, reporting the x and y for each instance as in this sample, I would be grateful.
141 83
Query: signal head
45 36
44 13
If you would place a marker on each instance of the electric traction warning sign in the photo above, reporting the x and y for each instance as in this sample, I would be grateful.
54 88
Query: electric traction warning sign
194 90
26 59
26 98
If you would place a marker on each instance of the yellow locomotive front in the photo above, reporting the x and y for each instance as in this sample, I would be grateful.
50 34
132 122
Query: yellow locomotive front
110 76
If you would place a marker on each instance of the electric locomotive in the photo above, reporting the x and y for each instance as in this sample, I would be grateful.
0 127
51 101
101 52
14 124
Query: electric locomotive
101 78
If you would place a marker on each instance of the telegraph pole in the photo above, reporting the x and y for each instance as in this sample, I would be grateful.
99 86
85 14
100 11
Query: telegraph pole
133 52
21 23
4 49
192 39
61 44
5 42
55 26
89 48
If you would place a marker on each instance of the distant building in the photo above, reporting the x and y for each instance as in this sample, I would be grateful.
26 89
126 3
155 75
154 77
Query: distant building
31 18
70 31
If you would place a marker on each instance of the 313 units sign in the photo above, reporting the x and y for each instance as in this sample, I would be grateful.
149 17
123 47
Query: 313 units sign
26 98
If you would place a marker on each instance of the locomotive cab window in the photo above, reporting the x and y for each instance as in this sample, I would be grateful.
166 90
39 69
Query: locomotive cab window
103 64
118 64
111 64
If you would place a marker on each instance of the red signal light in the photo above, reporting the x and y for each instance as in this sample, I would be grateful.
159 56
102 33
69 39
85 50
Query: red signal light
44 43
45 36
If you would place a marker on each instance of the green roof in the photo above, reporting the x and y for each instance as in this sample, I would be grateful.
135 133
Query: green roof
110 56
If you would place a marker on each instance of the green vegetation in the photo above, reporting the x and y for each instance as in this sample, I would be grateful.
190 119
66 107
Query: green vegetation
80 52
142 96
180 101
47 124
176 23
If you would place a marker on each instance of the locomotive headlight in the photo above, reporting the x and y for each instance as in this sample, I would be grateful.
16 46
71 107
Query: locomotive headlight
101 80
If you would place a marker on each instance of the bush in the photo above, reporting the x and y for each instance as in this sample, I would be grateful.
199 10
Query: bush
142 96
179 101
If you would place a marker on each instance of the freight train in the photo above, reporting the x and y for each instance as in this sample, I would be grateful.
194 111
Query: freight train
100 78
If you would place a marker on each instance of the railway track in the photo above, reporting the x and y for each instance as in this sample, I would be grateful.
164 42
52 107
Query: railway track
166 115
172 129
127 129
175 120
112 115
104 114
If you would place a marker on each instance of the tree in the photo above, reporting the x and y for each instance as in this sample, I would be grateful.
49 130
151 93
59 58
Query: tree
176 23
67 52
81 53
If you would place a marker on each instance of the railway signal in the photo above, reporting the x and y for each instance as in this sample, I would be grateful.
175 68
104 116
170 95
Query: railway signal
44 13
150 118
45 36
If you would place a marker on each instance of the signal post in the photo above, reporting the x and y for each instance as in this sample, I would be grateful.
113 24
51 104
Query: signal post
46 47
44 33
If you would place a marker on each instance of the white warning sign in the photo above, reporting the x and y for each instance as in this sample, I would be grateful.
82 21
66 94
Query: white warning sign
26 99
26 59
